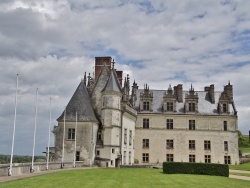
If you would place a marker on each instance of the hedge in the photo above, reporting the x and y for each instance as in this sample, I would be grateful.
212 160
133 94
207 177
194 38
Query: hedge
196 168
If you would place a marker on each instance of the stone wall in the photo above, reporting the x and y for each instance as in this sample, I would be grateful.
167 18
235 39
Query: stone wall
24 168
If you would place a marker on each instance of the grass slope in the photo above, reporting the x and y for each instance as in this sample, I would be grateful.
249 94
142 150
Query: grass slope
124 178
245 166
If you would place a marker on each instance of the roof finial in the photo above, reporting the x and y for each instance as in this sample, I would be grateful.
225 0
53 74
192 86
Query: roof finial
113 64
170 88
85 78
228 82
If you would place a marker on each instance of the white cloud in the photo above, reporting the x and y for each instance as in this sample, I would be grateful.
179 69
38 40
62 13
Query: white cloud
52 43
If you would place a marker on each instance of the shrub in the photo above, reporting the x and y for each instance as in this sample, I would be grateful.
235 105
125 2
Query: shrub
196 168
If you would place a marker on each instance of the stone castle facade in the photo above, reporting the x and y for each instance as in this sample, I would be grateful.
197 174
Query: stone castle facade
145 126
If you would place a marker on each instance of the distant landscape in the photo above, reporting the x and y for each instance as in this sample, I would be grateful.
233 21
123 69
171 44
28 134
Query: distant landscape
5 159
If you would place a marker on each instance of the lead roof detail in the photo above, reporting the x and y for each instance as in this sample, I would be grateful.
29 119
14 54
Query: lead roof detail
80 103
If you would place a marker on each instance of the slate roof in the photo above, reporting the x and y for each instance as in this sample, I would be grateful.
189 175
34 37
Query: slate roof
112 83
204 104
81 103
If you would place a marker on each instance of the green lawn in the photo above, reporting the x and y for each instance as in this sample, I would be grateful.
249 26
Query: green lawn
245 166
124 178
245 149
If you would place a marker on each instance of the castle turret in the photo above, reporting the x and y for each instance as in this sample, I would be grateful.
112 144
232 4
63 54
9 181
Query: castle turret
111 120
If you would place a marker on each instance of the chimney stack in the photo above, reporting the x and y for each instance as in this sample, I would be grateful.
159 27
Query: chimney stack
179 92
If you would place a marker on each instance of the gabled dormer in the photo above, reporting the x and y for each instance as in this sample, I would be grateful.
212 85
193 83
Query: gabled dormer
191 101
146 99
226 98
169 101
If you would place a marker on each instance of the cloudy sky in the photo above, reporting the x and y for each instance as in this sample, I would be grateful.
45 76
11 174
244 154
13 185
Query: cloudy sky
50 44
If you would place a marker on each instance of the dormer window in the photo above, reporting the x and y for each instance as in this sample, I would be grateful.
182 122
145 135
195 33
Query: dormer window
169 101
170 106
146 99
191 107
191 101
224 107
146 106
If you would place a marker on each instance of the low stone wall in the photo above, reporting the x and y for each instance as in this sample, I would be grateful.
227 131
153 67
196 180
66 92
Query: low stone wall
24 168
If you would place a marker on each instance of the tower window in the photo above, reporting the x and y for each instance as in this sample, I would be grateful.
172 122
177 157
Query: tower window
71 134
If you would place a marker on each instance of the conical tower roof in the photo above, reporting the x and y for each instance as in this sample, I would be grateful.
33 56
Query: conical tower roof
80 103
112 83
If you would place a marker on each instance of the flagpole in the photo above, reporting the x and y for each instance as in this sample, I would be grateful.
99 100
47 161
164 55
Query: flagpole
14 127
62 163
47 165
34 141
75 143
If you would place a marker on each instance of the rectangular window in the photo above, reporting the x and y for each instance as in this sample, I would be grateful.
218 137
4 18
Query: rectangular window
170 157
113 150
227 159
97 152
145 123
225 145
225 125
207 145
71 134
191 124
145 143
170 106
125 136
129 157
191 144
130 137
170 123
192 158
77 155
145 105
145 157
207 158
169 144
224 106
191 107
124 157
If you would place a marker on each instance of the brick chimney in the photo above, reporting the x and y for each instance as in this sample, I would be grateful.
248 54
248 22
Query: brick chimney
228 89
179 92
100 62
